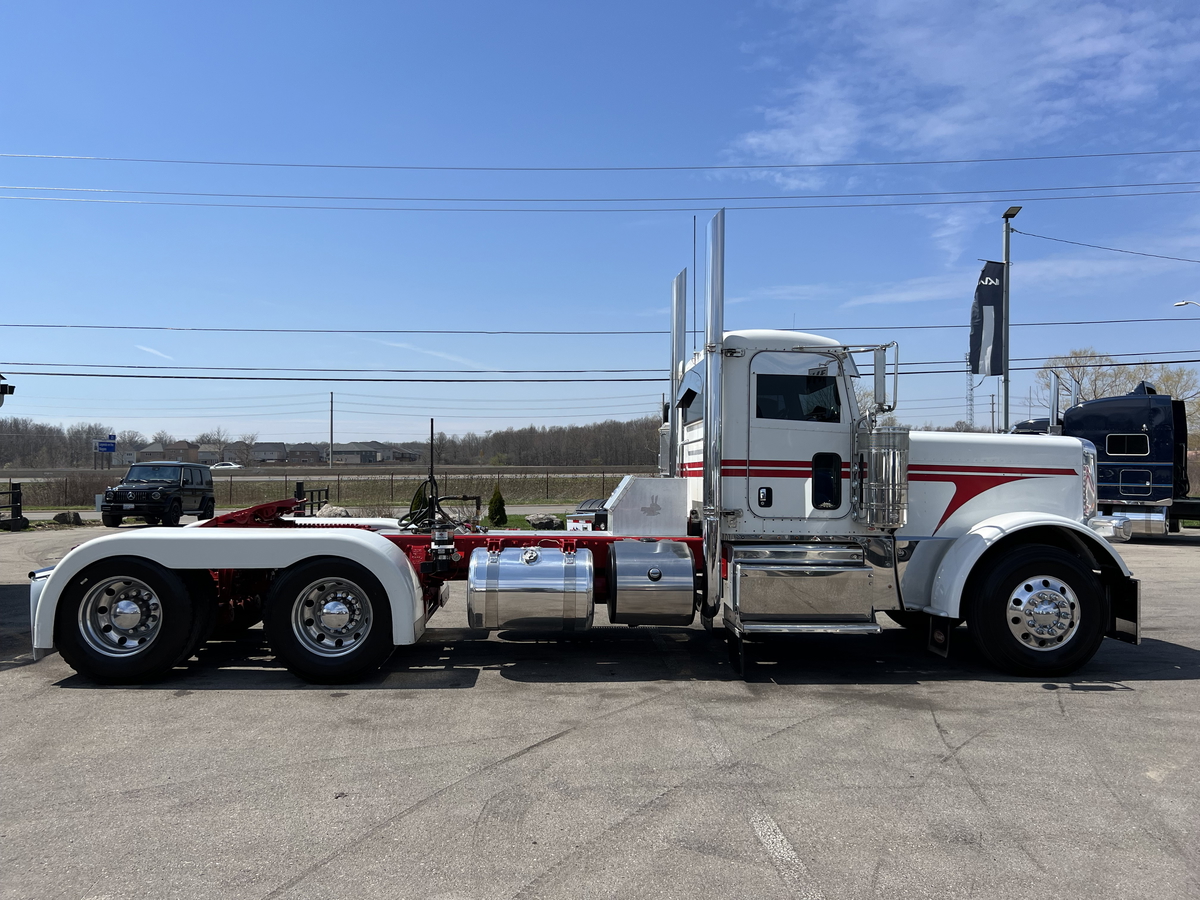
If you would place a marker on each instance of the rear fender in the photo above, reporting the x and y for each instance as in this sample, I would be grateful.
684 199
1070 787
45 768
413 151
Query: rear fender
966 551
241 548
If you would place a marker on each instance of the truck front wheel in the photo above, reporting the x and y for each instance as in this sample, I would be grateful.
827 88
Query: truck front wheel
329 622
1037 611
124 620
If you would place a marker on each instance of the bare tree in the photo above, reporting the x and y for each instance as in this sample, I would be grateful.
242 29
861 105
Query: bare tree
218 437
246 451
1099 375
163 437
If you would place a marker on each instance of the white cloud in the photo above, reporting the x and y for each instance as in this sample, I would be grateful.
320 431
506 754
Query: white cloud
951 286
155 352
942 77
449 357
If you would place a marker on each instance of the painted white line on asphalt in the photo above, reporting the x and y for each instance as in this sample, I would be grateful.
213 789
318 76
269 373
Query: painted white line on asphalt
791 869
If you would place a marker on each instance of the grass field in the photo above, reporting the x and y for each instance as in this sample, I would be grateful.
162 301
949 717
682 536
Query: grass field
368 492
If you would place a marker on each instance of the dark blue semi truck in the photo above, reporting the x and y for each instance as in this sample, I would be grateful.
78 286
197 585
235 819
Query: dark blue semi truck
1141 443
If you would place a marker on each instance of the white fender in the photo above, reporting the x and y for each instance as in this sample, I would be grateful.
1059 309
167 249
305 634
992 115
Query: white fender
960 559
243 548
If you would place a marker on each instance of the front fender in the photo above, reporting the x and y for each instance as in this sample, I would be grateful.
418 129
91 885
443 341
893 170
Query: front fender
237 548
964 553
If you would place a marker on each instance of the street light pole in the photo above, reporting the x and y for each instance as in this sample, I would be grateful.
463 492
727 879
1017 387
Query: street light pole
1009 215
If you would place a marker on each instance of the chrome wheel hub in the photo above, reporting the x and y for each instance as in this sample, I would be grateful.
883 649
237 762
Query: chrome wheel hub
1043 613
332 617
120 616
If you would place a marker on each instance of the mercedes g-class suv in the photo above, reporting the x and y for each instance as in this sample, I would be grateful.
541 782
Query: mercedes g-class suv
160 492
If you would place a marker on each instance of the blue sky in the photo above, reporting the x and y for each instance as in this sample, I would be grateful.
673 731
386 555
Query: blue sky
528 85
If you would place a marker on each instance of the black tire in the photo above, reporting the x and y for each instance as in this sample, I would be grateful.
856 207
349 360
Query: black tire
97 640
1032 575
208 510
110 521
325 649
738 659
174 512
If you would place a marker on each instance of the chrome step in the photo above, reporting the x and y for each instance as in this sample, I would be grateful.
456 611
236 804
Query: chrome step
810 628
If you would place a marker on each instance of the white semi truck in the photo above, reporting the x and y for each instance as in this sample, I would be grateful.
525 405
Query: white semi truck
782 509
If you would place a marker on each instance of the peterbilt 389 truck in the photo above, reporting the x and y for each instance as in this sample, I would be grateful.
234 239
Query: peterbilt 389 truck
783 508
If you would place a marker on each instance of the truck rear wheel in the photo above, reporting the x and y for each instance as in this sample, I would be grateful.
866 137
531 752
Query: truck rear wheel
329 622
124 620
1037 611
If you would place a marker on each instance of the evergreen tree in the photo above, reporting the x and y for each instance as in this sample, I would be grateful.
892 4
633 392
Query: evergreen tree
496 513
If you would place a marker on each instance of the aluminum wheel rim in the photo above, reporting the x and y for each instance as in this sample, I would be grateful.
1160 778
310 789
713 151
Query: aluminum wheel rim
332 617
120 616
1043 613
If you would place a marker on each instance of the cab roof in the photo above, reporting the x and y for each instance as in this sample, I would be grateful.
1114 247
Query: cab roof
775 339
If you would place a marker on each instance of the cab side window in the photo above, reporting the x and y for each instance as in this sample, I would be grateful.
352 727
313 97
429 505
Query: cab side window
205 477
187 477
798 398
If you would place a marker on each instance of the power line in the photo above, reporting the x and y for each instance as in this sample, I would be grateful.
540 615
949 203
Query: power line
1110 249
491 332
684 168
926 362
390 371
385 199
569 209
484 332
344 379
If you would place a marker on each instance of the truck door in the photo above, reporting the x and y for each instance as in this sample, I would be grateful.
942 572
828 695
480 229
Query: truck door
799 447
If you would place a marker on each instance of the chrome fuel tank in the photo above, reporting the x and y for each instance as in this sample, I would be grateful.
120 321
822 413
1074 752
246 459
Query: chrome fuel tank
534 588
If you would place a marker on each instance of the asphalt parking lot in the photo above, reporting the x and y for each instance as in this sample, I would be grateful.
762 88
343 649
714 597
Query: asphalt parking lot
633 764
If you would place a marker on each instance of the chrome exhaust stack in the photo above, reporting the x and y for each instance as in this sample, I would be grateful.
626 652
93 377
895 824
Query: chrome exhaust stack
678 349
714 336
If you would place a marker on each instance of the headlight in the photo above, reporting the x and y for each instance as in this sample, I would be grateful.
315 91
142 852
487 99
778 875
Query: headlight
1090 497
157 496
108 495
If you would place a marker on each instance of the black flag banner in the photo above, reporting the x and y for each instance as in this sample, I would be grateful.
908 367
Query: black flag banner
987 322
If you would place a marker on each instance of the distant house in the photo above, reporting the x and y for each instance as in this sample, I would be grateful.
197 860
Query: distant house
354 454
182 451
383 452
303 454
150 453
208 454
234 452
269 452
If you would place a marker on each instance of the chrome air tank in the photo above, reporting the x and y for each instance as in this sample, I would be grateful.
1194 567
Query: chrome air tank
534 588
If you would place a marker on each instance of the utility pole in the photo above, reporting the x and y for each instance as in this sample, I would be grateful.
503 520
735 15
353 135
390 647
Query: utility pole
1009 215
970 394
331 429
993 413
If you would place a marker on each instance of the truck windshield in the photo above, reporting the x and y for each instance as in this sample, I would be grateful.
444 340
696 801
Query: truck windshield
165 474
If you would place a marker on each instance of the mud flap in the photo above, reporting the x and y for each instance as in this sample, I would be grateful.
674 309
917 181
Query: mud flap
1126 604
939 634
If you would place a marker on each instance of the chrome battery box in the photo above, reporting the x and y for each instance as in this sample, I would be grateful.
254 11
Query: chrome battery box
530 588
651 582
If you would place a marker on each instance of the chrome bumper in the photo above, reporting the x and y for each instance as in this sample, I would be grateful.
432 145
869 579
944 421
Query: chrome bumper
1114 529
